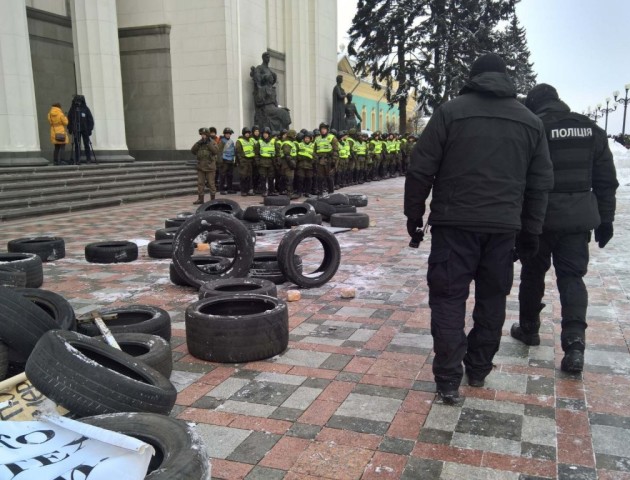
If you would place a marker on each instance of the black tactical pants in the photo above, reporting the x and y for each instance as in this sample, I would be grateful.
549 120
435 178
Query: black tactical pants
457 258
570 260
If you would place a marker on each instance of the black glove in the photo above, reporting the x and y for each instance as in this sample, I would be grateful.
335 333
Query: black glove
603 234
414 229
527 245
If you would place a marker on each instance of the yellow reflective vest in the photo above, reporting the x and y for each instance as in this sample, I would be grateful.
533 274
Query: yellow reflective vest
248 147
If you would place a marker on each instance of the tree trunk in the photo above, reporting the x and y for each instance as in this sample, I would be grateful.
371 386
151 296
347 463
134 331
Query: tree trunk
402 107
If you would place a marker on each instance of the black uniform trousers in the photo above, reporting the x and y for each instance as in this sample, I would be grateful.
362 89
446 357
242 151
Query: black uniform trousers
570 260
457 258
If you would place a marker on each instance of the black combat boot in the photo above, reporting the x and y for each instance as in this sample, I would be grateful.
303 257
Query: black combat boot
331 185
526 330
299 186
573 361
230 186
308 183
199 200
244 186
212 196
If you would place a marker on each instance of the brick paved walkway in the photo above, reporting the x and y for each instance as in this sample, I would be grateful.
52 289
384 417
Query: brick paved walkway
353 395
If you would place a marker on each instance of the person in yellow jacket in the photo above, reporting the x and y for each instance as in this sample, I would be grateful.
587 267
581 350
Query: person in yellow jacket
305 161
58 135
245 158
326 155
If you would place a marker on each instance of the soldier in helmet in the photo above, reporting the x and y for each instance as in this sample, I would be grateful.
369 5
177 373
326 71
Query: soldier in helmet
266 159
227 150
255 174
359 154
352 161
206 151
245 157
344 158
304 171
375 155
326 157
389 157
288 163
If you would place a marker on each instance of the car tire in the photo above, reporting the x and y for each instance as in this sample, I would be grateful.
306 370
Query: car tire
29 263
11 277
179 452
224 205
350 220
48 249
174 222
132 319
336 199
330 262
276 201
358 199
166 233
271 216
183 247
150 349
231 286
298 214
53 304
111 252
89 377
344 209
160 248
237 328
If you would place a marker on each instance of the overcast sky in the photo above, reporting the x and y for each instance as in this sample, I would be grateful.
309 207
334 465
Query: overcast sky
581 47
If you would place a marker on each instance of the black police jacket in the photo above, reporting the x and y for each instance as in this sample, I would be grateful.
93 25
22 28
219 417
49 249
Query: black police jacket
485 156
584 172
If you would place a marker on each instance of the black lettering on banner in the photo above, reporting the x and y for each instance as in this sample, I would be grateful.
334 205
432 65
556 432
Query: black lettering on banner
50 458
24 439
80 472
9 411
79 441
29 393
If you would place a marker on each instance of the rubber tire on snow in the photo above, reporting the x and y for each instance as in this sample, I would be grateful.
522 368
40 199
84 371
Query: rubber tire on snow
269 261
224 205
105 380
237 328
350 220
183 247
144 347
276 201
231 286
330 262
53 304
48 249
22 323
298 214
11 277
344 209
323 208
174 222
223 248
179 454
160 248
336 199
132 319
273 217
166 233
111 252
220 263
358 199
254 226
29 263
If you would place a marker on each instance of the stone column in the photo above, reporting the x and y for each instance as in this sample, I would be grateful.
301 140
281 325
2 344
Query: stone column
97 60
19 137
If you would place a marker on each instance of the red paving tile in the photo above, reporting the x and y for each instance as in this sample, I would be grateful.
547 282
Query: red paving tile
406 425
226 470
336 392
385 465
572 422
319 412
327 460
349 438
575 449
529 466
448 453
285 453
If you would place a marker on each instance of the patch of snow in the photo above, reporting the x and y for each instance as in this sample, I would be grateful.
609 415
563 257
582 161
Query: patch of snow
141 242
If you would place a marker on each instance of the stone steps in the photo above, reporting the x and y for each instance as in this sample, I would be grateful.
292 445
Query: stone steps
35 191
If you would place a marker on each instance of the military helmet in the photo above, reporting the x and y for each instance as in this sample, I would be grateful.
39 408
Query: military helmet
291 133
352 131
283 131
227 130
303 131
323 125
255 127
334 131
212 130
275 133
377 133
299 137
245 130
315 132
203 130
266 130
308 134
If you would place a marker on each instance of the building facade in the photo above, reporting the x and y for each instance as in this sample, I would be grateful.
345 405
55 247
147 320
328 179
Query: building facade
153 72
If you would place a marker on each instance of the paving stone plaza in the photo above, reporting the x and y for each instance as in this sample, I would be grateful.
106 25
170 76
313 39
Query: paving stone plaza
353 396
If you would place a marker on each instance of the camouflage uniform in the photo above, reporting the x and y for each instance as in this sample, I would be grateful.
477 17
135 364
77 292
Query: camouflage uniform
304 171
266 159
327 159
245 157
288 163
206 150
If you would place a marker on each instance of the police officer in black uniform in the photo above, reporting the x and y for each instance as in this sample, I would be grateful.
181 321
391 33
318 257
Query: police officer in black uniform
485 157
582 199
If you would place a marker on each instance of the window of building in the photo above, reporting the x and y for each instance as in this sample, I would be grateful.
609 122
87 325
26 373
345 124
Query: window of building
373 120
363 117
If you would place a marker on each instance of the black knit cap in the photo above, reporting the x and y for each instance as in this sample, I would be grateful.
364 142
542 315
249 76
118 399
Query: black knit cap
539 95
488 62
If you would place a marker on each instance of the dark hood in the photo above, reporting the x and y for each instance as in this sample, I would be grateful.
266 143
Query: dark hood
552 106
493 83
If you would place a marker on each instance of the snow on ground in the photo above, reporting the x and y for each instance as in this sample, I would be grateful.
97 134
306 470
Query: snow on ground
622 162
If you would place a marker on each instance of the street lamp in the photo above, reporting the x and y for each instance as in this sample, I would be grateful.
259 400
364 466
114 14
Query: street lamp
607 111
593 114
624 102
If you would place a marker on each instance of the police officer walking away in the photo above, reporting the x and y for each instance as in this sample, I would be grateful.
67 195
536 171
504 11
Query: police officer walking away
582 199
486 158
207 151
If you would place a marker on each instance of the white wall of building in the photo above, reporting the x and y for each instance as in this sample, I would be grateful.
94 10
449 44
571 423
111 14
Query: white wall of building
52 6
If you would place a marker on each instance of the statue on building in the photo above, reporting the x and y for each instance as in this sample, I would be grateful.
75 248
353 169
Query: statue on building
353 119
338 106
268 113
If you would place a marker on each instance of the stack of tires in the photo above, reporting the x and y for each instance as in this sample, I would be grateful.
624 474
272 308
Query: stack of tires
237 320
341 210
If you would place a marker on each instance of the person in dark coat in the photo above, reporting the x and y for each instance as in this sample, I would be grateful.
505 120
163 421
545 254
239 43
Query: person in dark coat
80 126
582 199
485 157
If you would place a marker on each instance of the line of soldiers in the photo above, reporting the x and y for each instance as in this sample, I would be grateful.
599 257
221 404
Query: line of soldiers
297 164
